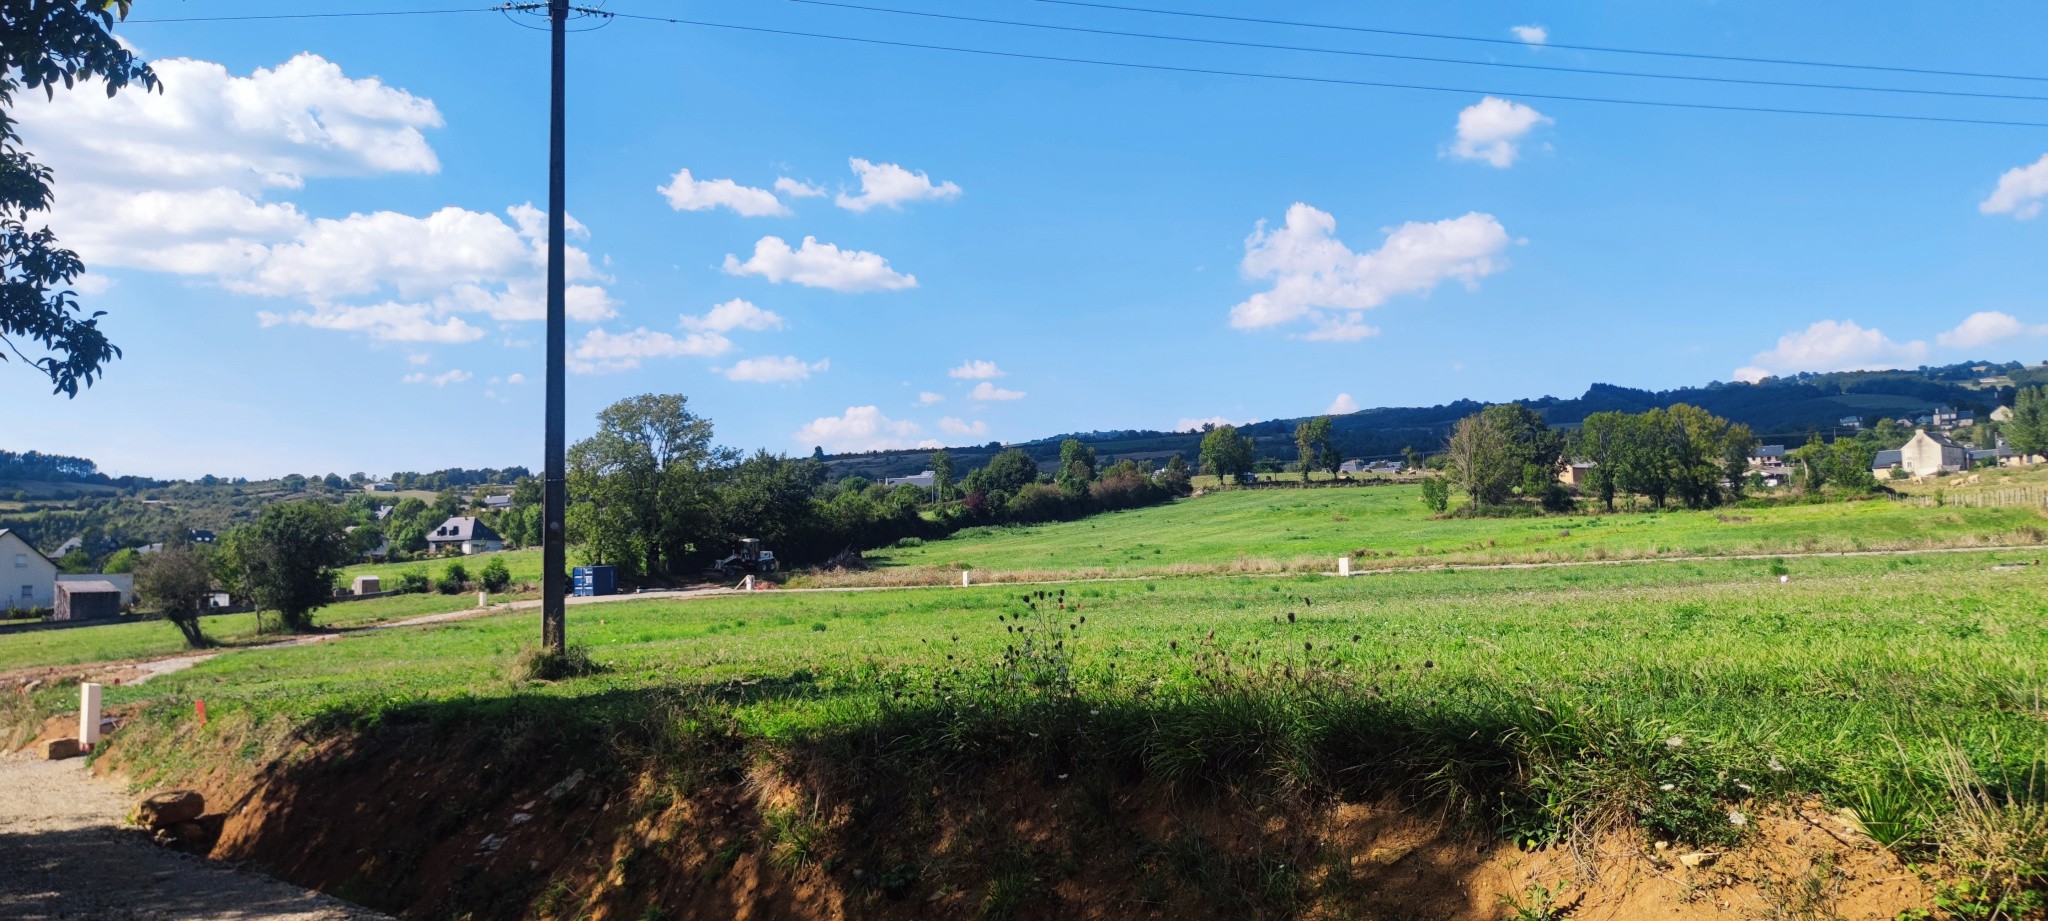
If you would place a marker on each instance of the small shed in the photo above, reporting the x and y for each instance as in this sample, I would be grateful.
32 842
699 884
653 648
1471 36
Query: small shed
366 585
98 600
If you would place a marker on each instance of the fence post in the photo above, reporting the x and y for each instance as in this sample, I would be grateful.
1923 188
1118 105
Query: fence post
88 714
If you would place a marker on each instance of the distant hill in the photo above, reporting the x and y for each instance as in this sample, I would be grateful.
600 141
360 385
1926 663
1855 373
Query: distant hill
1779 409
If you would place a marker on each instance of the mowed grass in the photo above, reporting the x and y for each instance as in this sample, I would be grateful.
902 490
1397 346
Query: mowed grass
1389 526
523 564
1537 695
151 639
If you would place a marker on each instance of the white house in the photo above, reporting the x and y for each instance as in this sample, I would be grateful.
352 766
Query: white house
467 535
922 480
28 579
2002 414
1928 454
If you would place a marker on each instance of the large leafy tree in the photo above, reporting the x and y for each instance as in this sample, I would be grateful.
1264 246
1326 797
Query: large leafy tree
287 558
1481 460
2028 431
1601 440
1227 453
1077 467
645 484
45 43
942 475
1315 448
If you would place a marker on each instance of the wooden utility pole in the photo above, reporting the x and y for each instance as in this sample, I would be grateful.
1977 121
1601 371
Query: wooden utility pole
554 630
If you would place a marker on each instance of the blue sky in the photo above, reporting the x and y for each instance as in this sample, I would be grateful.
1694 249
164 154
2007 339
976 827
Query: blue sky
317 249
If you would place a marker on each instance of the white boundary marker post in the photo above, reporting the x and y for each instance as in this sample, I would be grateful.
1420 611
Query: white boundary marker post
1344 567
966 578
88 714
482 601
747 584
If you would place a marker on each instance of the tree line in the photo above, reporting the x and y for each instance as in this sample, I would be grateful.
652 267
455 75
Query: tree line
1681 453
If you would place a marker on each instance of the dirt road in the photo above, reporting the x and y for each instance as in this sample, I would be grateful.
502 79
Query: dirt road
66 854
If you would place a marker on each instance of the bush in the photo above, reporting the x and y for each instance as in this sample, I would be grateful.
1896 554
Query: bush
494 577
1436 493
414 581
453 581
533 664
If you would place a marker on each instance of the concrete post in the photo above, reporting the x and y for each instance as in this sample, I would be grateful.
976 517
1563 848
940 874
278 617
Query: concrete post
965 578
747 584
1344 567
88 714
482 600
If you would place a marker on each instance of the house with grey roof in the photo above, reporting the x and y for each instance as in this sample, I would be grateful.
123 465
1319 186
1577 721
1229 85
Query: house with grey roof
28 580
465 535
1929 453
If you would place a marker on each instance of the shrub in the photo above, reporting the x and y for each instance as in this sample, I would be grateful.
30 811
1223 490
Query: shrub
453 581
494 577
414 581
533 664
1436 493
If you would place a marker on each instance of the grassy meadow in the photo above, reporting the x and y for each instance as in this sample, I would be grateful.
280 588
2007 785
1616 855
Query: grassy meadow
1388 526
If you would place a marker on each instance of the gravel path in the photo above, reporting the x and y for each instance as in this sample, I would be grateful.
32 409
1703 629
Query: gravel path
66 854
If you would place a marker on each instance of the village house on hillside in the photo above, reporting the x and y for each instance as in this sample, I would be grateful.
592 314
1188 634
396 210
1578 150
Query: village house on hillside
920 480
28 580
465 535
1929 453
1767 458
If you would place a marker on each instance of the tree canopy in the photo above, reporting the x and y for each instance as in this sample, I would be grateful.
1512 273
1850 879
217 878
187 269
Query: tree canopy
45 43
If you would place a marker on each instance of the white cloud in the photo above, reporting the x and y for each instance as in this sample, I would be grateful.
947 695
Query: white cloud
976 370
416 358
439 380
1195 425
1342 405
516 379
602 352
685 193
1318 278
2019 191
986 391
734 314
819 265
795 189
1986 327
177 181
889 185
1831 345
780 370
1531 35
952 426
1491 130
860 428
927 398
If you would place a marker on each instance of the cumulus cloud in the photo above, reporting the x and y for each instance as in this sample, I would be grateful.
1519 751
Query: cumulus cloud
686 193
2020 191
1195 425
1317 278
442 379
888 185
986 391
515 379
1832 345
976 370
1491 131
795 189
952 426
819 265
861 428
601 352
780 370
1342 405
1986 327
927 398
734 314
180 182
1531 35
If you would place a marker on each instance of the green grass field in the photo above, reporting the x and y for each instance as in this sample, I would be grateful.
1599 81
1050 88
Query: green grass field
1851 677
1389 526
523 564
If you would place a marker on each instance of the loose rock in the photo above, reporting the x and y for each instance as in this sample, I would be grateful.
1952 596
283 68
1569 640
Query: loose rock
60 749
170 808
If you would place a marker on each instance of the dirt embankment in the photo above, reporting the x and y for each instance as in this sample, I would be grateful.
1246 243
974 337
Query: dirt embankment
453 821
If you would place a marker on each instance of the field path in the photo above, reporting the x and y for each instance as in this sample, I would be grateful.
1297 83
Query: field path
66 854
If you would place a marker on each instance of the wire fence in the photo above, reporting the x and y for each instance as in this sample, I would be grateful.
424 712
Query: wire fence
2009 497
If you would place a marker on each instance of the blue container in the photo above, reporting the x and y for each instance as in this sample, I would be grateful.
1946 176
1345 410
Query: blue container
595 580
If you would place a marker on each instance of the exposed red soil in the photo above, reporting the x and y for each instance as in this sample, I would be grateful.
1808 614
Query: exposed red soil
431 827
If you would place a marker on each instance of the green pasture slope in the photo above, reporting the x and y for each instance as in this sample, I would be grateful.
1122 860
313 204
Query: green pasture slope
1858 676
1381 522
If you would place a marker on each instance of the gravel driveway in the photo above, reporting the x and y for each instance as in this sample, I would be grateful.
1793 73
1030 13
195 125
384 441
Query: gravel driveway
66 854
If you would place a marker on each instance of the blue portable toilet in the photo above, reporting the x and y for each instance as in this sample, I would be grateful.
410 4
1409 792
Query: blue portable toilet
595 580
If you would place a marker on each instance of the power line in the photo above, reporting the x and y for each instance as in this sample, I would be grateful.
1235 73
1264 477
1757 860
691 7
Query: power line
1697 56
1424 58
1334 81
349 15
